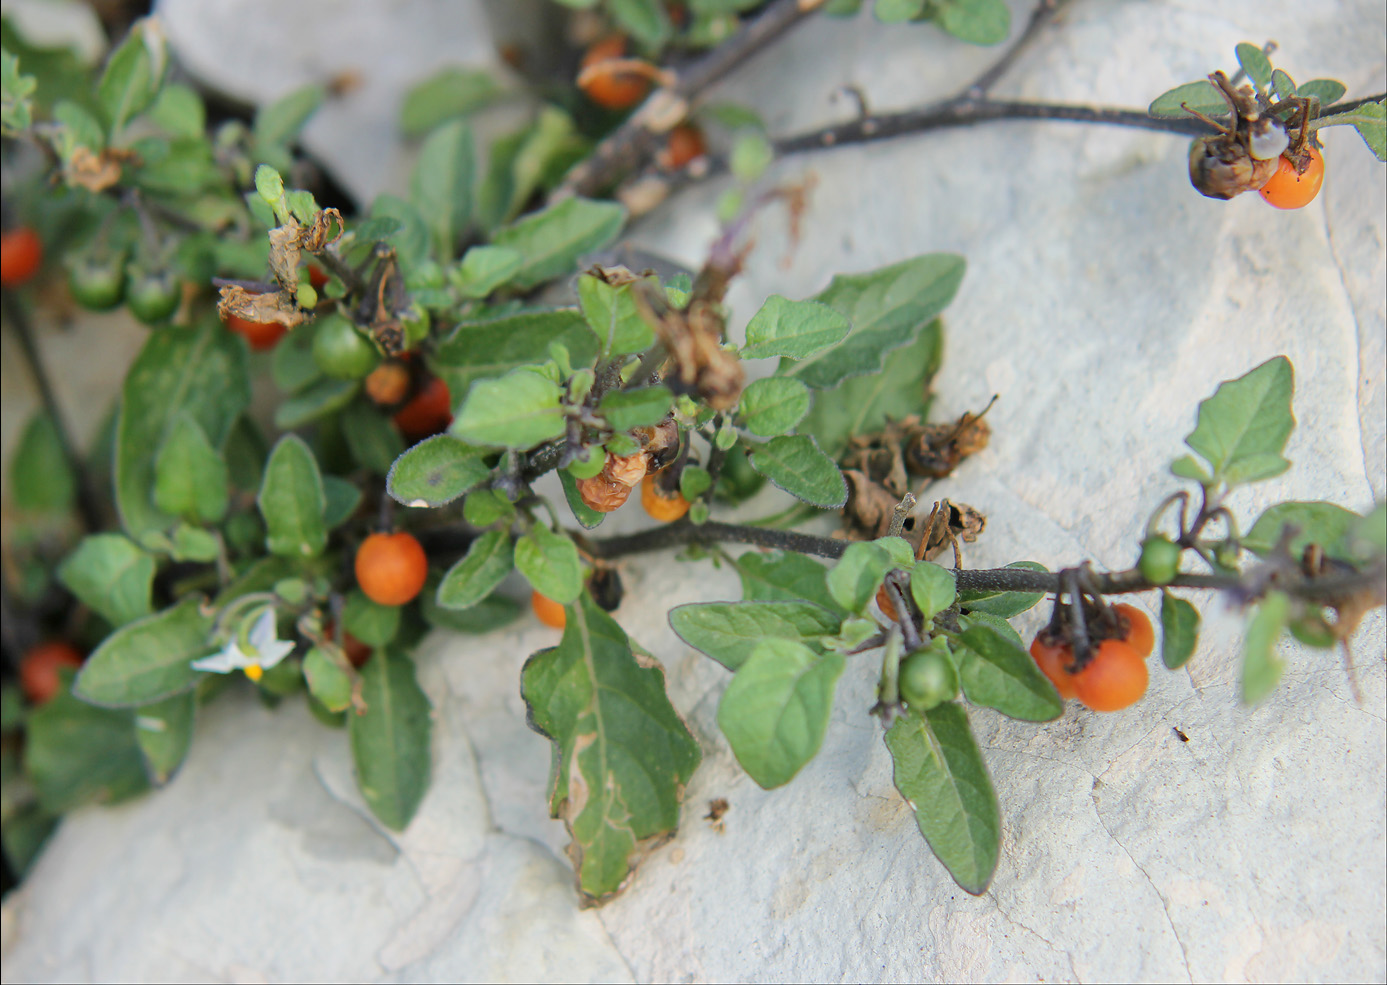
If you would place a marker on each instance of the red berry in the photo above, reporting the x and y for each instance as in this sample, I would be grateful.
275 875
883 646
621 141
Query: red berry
38 671
429 413
21 255
260 335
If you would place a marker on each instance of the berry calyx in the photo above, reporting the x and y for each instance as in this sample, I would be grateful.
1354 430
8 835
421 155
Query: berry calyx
662 506
550 613
1292 189
1138 633
1160 560
429 413
927 680
1115 678
21 255
612 90
1054 658
38 670
391 568
261 336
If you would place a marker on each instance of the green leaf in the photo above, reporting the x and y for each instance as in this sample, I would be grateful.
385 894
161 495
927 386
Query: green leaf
133 75
491 349
854 580
975 21
373 442
149 659
794 329
1179 630
451 92
861 405
490 613
996 673
1243 428
485 565
483 507
1262 668
340 500
897 11
932 587
1327 91
41 480
278 123
795 464
1370 119
1370 533
621 755
729 631
16 109
1202 96
693 481
370 622
784 576
441 186
390 741
553 239
179 112
1254 62
941 774
582 512
1188 467
292 366
292 501
613 316
1007 605
1282 84
79 128
774 712
190 477
76 754
774 405
485 268
751 154
435 472
164 731
644 20
112 575
886 308
1321 523
518 163
550 563
411 240
200 371
519 410
328 681
627 409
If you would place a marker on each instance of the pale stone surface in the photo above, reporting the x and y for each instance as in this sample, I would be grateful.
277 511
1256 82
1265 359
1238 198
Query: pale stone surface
1103 300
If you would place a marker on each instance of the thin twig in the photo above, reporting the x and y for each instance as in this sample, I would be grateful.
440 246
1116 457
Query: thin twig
18 319
622 150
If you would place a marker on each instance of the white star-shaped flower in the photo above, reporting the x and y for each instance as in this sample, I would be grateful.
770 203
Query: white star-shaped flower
264 651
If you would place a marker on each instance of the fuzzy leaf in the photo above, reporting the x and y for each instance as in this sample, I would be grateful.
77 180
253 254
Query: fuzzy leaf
436 472
729 631
292 500
1243 428
1179 630
147 660
793 329
796 465
390 741
112 575
487 562
553 239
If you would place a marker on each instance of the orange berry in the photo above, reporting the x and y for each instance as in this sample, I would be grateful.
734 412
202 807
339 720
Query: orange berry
1288 190
429 413
549 612
1138 634
21 255
685 144
38 670
391 568
260 335
614 90
661 506
317 277
387 384
1114 679
1054 659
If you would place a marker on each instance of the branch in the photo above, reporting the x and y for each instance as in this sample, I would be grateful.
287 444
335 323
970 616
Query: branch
623 149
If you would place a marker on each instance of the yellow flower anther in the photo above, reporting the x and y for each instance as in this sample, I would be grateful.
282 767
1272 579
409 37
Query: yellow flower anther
254 672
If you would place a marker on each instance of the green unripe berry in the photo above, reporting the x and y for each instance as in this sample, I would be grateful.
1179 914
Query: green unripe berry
927 680
97 282
1160 560
342 352
581 468
152 295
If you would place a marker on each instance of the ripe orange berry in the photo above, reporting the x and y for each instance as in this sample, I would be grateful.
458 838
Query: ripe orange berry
1114 679
549 612
602 494
685 144
21 255
391 568
1053 659
387 384
661 506
38 670
260 335
1288 190
429 413
615 90
317 277
1139 635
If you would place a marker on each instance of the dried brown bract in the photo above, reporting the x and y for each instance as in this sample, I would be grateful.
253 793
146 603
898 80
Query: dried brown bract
1243 155
278 307
933 451
693 338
